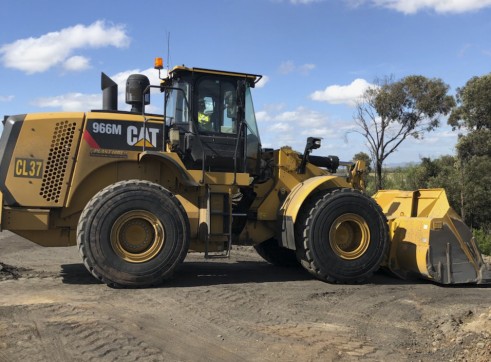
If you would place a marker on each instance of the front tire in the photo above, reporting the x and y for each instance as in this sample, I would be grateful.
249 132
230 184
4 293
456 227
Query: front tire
132 234
342 236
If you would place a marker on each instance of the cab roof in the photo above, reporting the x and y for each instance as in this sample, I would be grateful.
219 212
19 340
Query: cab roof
253 78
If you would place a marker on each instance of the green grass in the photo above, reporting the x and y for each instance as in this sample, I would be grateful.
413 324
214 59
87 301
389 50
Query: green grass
483 240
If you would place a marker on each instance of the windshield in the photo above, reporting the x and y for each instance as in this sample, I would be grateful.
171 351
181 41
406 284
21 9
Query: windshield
216 109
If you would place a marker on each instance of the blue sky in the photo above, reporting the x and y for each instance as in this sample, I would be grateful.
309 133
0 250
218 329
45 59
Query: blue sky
316 56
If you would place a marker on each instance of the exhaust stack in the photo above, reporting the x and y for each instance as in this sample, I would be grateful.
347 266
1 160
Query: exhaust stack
109 93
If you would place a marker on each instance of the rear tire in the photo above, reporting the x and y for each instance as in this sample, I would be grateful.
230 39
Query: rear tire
342 236
133 234
274 254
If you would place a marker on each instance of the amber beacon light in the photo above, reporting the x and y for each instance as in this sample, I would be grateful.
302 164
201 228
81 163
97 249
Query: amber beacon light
159 63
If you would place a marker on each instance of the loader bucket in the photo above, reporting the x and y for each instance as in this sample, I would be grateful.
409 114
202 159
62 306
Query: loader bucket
429 240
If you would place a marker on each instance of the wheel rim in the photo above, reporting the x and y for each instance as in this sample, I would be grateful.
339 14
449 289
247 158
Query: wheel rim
349 236
137 236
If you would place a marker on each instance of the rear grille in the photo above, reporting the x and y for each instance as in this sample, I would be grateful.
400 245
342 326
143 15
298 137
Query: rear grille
58 158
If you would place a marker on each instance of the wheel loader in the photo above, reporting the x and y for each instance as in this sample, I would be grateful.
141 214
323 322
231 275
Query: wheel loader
137 191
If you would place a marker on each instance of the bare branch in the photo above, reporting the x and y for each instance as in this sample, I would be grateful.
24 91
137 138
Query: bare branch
393 111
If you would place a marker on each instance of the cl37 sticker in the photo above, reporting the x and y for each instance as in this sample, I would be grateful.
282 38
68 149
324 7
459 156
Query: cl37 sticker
28 167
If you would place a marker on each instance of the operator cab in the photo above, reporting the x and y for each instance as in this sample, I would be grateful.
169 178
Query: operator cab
210 119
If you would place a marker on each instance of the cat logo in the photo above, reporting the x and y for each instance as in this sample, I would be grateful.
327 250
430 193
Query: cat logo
142 136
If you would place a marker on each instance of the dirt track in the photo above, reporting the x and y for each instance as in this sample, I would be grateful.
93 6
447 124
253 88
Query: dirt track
238 309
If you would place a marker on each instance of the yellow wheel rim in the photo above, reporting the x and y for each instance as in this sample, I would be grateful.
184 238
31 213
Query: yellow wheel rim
137 236
349 236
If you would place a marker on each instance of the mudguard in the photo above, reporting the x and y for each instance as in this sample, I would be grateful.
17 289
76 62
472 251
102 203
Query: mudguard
292 204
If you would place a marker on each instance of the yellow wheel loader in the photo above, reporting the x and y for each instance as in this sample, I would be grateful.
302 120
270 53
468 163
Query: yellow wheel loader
137 191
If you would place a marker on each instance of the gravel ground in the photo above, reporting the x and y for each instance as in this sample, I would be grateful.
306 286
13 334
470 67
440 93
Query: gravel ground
236 309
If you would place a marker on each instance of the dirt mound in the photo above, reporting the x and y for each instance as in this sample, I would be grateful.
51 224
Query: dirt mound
463 336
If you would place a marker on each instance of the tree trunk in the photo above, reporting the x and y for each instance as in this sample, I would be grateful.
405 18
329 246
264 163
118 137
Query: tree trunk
378 175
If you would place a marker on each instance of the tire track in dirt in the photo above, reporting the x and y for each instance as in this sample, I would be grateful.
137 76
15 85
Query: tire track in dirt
128 326
254 314
60 332
192 336
369 319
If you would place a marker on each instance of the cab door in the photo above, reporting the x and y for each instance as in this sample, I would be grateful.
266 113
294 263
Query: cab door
216 113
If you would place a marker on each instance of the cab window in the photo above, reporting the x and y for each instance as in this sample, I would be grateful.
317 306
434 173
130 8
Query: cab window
216 106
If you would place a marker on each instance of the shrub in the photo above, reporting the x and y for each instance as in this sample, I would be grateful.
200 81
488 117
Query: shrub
483 240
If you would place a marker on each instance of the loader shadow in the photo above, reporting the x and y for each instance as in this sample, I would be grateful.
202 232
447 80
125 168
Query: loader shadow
195 273
209 273
77 274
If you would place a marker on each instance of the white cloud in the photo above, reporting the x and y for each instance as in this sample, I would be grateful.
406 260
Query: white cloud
33 55
292 127
6 98
262 116
262 82
286 67
433 145
301 117
289 66
342 94
319 132
290 116
280 127
71 102
355 3
306 68
79 102
439 6
77 63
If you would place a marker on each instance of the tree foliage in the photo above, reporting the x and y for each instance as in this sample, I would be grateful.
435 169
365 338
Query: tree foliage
362 156
468 189
393 111
474 105
442 172
476 192
476 143
465 176
474 149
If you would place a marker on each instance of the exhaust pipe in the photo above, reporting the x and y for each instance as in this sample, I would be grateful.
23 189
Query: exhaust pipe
109 93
